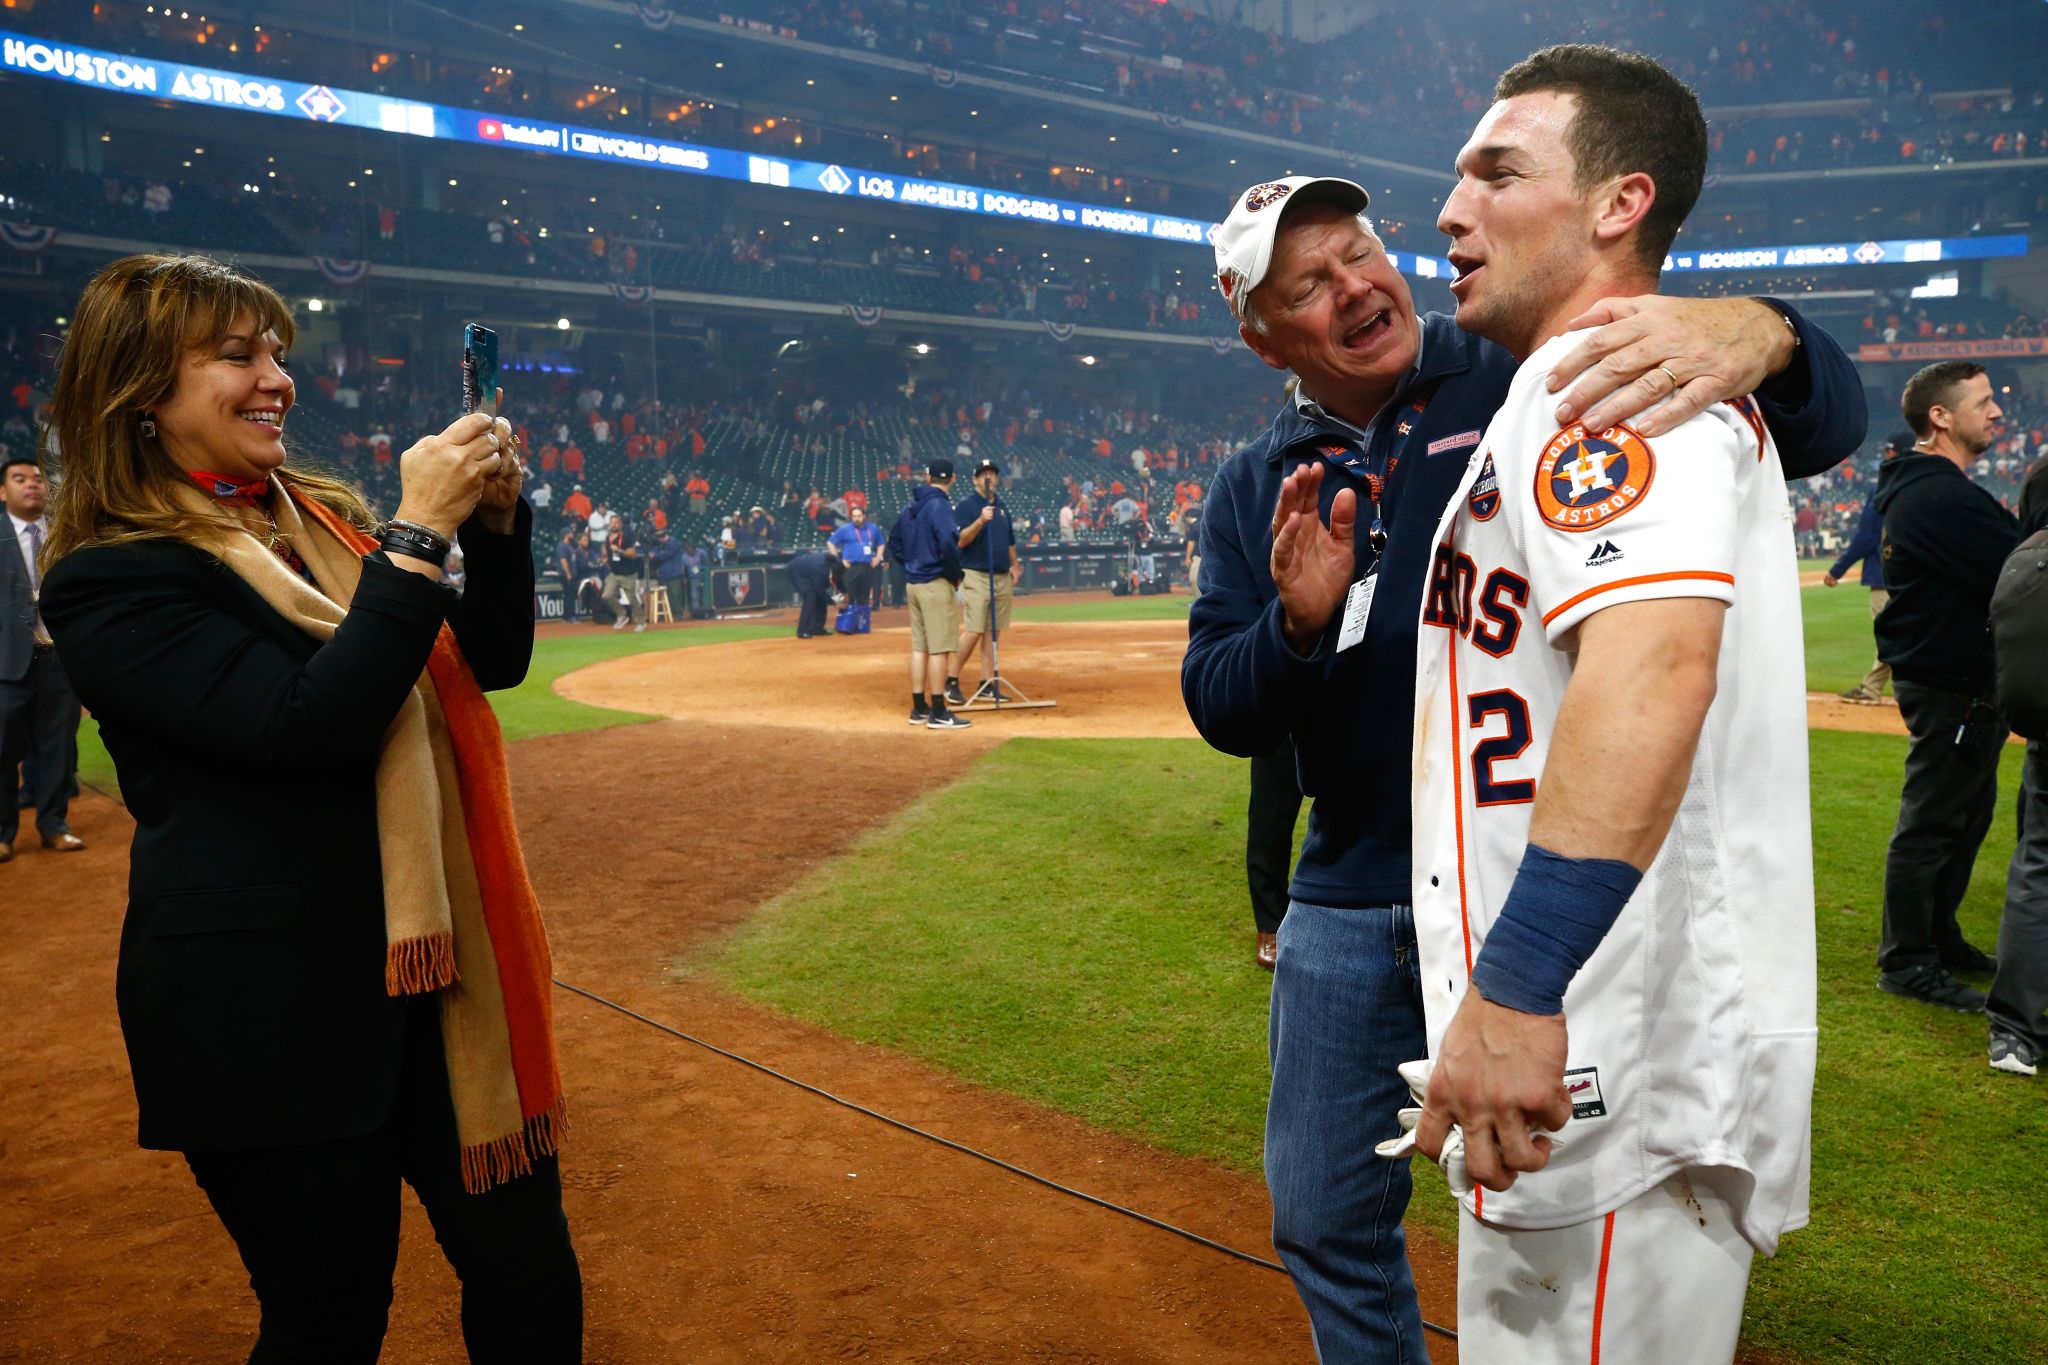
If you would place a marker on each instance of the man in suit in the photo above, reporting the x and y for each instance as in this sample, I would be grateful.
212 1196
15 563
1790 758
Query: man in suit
38 711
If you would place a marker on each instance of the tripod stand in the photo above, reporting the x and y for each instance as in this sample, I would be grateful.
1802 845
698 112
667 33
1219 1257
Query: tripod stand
990 695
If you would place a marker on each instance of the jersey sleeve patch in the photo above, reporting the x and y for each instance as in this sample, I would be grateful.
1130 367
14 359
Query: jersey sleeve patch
1585 479
1484 500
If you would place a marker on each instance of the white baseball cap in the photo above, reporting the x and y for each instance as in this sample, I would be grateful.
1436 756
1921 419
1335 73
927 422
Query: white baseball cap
1244 244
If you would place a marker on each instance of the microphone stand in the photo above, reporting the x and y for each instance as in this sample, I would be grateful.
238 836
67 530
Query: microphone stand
989 696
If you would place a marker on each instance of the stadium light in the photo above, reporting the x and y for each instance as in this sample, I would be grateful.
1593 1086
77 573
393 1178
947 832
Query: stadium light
1087 360
314 305
561 324
922 349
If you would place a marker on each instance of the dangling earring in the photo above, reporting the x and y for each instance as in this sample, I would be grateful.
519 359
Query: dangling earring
149 428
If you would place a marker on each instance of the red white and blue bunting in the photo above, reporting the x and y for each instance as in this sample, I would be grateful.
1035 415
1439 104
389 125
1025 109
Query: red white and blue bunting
632 295
342 272
27 238
943 78
1060 331
656 16
864 314
1222 345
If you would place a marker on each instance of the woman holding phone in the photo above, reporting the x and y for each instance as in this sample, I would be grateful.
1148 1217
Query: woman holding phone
333 975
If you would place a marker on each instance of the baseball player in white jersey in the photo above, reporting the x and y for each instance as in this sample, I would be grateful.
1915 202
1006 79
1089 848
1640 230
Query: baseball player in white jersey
1613 867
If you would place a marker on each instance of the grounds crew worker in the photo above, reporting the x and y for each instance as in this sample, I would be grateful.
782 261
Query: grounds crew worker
1375 438
927 544
988 556
859 547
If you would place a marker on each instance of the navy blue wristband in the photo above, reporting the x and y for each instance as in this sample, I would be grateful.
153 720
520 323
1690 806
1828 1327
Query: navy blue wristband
1557 912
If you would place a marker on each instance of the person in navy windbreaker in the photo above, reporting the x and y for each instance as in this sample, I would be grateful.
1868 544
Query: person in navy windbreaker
926 543
1866 546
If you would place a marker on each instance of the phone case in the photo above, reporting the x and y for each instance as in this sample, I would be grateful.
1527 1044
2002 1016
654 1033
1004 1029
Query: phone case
479 368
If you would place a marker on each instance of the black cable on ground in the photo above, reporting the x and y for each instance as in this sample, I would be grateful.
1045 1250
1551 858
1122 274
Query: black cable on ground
910 1128
959 1147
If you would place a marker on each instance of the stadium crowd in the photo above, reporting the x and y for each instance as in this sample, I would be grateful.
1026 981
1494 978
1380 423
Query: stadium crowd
1909 92
700 247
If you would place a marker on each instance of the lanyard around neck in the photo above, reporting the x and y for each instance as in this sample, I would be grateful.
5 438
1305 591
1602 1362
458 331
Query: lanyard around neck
1377 472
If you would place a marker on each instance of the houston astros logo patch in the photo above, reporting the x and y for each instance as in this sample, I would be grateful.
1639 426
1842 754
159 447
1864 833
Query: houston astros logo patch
1265 196
1484 499
1584 480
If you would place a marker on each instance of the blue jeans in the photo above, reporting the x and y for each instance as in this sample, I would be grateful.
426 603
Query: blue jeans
1347 1010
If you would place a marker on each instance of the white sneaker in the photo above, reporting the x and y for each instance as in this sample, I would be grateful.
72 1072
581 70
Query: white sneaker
2012 1054
619 624
642 626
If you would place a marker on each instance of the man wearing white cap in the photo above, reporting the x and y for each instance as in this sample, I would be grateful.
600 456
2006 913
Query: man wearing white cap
1315 548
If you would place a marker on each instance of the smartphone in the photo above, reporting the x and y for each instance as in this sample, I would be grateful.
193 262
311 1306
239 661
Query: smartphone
479 369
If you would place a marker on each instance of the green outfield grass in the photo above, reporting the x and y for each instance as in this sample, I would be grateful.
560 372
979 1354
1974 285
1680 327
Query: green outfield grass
1167 608
1101 965
1839 645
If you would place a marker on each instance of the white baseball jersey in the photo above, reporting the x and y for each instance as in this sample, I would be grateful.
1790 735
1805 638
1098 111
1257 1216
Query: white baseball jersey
1692 1026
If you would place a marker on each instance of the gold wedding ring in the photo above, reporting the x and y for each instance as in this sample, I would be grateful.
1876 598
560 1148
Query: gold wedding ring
1675 385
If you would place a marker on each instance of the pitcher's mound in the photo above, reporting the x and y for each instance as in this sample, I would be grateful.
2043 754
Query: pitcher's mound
1112 680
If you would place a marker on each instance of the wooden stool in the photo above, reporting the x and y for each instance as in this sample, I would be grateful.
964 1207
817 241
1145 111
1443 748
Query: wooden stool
656 603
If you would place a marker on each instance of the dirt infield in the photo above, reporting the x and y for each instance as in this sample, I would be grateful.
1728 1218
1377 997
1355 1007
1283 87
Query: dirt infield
720 1215
1112 679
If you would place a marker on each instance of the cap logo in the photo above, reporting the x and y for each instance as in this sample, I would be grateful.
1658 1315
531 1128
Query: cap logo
1265 196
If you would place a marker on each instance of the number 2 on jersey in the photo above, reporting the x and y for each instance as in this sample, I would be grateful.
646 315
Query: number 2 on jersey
1488 790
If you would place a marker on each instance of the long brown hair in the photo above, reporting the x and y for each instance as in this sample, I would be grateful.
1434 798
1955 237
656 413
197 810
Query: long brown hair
135 325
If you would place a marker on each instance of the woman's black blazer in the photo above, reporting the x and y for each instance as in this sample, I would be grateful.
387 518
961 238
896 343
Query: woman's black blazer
251 974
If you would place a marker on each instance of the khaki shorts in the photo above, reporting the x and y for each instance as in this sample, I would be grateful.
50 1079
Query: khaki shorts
974 602
934 620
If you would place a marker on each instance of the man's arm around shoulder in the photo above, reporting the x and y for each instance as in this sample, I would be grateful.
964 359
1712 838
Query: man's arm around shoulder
1815 406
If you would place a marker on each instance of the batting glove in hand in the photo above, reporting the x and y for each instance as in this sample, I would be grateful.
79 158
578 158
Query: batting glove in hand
1452 1160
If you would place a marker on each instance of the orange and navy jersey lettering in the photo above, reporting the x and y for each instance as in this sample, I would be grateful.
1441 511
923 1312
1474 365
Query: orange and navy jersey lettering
1454 592
1452 578
1488 787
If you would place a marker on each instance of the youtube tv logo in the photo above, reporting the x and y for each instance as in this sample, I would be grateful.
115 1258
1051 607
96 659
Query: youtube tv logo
520 134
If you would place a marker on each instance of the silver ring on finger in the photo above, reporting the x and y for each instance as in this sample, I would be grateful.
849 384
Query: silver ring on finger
1675 385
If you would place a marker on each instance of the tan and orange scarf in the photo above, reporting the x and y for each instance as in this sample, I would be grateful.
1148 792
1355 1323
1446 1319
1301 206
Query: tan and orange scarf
460 915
